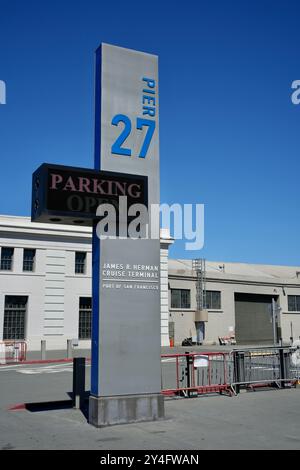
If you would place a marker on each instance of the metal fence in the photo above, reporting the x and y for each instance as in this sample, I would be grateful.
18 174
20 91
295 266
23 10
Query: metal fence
12 351
295 363
192 374
260 367
195 373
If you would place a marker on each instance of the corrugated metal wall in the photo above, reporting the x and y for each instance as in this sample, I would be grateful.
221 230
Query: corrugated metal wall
253 320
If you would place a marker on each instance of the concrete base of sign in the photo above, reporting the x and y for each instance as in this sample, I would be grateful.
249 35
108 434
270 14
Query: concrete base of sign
105 411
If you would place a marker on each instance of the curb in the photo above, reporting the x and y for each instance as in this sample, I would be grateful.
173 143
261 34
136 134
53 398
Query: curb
40 361
17 407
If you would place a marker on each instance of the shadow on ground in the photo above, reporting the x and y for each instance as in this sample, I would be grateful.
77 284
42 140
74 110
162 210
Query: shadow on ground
39 407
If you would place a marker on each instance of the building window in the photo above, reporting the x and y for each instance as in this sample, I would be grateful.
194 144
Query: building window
7 255
213 300
14 317
28 260
80 262
180 298
294 303
85 318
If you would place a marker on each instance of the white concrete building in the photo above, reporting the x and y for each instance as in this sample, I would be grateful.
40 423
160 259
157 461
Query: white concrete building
45 291
239 300
45 283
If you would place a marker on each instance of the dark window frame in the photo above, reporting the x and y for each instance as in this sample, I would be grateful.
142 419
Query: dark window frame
15 315
85 318
6 262
80 264
29 261
184 298
213 301
294 301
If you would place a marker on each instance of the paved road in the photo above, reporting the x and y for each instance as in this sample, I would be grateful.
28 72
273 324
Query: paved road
55 354
168 375
253 420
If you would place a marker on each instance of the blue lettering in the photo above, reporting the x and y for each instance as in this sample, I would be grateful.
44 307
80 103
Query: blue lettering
150 82
148 100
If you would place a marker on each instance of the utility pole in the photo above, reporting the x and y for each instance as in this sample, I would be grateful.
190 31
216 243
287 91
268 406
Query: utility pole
201 312
275 311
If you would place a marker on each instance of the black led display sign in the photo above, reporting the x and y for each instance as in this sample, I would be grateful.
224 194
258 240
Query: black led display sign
69 195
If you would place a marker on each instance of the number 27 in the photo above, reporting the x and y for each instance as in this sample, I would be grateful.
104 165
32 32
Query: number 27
117 148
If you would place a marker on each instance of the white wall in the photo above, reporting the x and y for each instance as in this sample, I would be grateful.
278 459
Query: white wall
164 307
220 321
53 289
287 317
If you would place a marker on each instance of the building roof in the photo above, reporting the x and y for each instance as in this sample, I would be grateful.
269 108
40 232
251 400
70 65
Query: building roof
177 267
220 269
21 224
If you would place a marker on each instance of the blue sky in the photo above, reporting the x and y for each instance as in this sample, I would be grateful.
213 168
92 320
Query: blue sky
229 132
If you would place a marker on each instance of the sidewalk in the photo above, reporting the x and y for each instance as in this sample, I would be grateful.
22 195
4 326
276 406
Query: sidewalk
254 420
